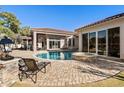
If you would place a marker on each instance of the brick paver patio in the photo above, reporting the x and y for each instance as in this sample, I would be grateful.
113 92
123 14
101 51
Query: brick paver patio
71 72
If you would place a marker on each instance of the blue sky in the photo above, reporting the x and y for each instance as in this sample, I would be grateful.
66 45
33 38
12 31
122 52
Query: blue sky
61 17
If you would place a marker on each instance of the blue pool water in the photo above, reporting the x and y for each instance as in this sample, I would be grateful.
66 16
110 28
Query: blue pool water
66 55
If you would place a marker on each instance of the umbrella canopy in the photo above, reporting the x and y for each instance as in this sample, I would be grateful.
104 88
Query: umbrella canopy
6 41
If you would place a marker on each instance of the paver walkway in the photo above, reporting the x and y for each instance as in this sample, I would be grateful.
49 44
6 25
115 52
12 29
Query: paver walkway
71 72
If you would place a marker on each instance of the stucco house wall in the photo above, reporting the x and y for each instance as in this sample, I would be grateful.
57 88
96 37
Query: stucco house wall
104 26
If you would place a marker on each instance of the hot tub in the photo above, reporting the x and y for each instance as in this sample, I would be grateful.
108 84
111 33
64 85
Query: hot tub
85 57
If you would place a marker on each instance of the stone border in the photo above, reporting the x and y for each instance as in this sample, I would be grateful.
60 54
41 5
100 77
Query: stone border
9 74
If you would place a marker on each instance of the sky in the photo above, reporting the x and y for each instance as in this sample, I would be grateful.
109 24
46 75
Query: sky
64 17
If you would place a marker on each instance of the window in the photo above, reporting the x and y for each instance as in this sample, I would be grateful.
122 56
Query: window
102 42
114 42
51 43
58 44
54 44
69 42
73 42
42 44
92 42
85 42
108 42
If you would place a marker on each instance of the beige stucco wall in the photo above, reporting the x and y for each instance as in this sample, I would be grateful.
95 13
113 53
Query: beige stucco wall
106 25
76 42
62 43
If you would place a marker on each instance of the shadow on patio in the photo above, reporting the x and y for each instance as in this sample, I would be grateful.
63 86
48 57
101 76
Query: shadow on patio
119 77
106 64
93 71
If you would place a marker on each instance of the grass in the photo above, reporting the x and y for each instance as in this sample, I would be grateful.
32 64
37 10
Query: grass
20 84
115 81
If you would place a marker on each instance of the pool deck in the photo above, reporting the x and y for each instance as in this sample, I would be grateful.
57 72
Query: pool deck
70 72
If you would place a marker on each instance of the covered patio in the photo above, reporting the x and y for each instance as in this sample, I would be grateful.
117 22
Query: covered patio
53 39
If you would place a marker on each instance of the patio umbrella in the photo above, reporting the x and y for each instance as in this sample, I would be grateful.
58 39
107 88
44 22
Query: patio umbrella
5 41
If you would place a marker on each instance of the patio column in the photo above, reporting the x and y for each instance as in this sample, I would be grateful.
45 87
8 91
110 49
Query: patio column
62 42
34 41
96 43
27 43
80 42
72 42
67 43
47 43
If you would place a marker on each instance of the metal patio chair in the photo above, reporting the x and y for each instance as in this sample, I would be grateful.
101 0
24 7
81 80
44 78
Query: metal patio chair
29 68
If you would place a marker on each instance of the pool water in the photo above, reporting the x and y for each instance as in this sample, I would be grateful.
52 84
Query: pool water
66 55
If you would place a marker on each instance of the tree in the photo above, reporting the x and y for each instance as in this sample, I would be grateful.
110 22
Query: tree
7 32
10 27
2 22
10 21
25 31
18 39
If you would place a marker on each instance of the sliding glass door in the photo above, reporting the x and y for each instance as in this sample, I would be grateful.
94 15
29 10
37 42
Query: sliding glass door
85 42
89 42
53 44
102 42
108 42
92 42
114 42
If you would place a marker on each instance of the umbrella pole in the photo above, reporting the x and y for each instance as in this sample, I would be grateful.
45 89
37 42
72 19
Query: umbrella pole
4 48
6 54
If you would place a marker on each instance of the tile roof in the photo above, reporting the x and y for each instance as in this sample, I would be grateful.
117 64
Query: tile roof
26 37
102 21
51 30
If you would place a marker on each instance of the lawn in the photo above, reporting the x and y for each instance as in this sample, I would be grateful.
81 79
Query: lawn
115 81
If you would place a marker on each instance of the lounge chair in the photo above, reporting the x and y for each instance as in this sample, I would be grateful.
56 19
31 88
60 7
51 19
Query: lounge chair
30 67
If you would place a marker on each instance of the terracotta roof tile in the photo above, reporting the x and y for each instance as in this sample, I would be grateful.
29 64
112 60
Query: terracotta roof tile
102 21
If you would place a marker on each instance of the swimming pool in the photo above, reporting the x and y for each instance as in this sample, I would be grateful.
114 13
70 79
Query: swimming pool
56 55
